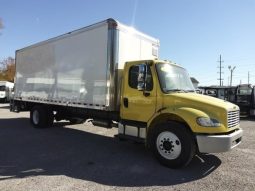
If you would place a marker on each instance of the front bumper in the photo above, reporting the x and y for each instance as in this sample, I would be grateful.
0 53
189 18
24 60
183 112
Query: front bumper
219 143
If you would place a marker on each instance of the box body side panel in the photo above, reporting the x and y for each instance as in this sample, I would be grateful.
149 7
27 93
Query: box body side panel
82 68
72 69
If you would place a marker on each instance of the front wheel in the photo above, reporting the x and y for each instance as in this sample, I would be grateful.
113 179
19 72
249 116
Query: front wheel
172 144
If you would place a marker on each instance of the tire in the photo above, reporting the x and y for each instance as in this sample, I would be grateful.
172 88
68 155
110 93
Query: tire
172 144
41 116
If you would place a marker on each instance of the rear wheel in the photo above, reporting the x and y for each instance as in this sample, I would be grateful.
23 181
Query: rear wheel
172 144
41 116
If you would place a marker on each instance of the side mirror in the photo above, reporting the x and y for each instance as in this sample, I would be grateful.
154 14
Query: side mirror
141 78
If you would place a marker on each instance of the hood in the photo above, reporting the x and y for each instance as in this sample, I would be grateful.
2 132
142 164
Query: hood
198 101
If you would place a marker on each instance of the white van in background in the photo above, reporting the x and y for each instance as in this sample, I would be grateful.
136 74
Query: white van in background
6 90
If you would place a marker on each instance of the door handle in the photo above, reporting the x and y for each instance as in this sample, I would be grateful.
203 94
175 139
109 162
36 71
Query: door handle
125 101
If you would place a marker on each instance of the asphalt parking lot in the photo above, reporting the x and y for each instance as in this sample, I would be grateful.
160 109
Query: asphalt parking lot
84 157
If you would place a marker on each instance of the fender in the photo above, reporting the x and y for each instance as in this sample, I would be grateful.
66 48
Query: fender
185 115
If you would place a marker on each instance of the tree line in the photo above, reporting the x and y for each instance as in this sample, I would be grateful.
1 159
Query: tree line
7 69
7 65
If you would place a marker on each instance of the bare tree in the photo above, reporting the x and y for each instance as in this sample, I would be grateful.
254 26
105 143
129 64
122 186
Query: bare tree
7 69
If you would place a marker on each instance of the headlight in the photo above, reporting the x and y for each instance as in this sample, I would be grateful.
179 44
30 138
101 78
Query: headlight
208 122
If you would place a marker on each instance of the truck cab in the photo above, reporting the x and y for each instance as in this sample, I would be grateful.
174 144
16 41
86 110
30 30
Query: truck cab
159 104
245 99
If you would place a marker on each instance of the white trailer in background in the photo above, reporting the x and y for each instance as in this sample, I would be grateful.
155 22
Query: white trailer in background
6 89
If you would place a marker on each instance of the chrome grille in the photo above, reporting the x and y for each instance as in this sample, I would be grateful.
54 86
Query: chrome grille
233 118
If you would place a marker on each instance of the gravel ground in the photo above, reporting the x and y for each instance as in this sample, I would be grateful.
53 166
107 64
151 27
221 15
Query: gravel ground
83 157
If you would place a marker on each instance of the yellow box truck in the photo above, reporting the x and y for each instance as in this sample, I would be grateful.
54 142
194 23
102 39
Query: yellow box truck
110 73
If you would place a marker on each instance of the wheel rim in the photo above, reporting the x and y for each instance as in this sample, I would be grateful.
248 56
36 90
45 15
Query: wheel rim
168 145
36 117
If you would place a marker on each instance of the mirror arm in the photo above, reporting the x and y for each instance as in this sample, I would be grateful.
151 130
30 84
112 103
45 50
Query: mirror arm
146 94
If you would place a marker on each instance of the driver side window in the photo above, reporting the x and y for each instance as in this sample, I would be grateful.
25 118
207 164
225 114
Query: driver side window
134 77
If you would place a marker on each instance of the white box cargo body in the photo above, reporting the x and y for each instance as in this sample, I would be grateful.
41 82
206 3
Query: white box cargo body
81 68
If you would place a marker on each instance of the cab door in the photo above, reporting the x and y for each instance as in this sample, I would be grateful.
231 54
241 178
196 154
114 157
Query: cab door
138 102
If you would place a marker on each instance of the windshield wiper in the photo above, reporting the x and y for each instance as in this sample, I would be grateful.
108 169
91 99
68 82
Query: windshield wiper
176 90
180 90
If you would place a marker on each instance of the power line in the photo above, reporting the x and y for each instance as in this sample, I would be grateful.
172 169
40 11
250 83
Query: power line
248 77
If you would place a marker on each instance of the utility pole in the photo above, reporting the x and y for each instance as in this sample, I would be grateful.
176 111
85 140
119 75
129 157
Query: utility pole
231 73
221 80
248 77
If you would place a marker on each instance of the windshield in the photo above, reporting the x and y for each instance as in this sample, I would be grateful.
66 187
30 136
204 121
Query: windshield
173 78
244 90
